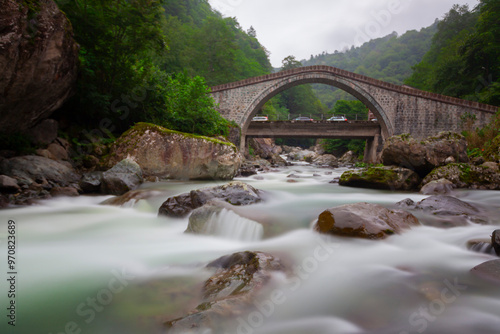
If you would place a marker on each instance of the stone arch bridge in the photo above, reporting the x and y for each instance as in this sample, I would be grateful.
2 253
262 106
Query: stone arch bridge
399 109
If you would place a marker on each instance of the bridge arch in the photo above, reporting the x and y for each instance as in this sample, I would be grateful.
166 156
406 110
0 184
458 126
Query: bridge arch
399 109
323 78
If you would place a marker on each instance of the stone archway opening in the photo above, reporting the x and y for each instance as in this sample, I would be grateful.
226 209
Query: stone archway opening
372 144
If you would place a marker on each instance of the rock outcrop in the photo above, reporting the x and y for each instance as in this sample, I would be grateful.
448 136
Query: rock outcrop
231 291
236 193
364 220
38 62
446 211
484 177
123 177
424 156
170 154
385 178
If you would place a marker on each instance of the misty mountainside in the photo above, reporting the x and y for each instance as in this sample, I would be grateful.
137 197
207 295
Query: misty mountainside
389 58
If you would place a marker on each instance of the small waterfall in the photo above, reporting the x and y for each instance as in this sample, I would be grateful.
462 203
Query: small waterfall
483 247
228 224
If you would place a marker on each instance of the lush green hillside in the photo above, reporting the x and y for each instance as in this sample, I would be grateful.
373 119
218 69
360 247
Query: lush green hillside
464 59
152 60
390 59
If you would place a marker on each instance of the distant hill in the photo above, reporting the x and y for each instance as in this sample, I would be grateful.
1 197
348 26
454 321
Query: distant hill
389 58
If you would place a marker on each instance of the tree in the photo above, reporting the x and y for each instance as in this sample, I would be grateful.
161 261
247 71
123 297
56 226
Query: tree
290 63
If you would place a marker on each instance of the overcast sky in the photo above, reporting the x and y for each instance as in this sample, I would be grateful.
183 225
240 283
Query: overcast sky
308 27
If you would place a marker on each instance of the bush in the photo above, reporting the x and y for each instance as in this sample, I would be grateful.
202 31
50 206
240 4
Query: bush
183 104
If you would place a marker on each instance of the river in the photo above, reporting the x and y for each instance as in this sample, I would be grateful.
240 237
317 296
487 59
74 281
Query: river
82 267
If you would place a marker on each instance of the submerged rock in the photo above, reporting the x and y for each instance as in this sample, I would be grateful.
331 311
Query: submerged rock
445 211
386 178
235 193
238 280
424 156
170 154
489 271
364 220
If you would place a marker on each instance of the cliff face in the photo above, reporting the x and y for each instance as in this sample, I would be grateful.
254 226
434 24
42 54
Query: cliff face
38 62
174 155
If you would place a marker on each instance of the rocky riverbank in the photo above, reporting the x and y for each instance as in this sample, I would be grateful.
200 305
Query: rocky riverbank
145 152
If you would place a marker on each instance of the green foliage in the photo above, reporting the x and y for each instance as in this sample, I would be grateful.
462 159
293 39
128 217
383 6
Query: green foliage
17 142
183 104
127 47
295 101
463 59
388 58
352 110
483 141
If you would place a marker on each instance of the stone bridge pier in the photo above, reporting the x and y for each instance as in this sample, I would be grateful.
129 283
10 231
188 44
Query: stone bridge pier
399 109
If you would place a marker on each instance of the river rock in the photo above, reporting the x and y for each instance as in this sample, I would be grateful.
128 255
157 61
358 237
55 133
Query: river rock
34 169
64 192
326 160
466 176
349 158
424 156
495 241
38 62
45 132
386 177
170 154
452 209
236 193
132 197
123 177
8 185
364 220
231 291
438 187
489 271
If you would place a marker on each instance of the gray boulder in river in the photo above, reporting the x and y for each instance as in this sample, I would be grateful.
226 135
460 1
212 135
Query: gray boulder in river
364 220
235 193
168 154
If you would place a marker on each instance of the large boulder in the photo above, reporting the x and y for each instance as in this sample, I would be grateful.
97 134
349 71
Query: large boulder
38 62
446 211
34 169
123 177
386 178
364 220
170 154
237 282
424 156
235 193
438 187
326 160
461 175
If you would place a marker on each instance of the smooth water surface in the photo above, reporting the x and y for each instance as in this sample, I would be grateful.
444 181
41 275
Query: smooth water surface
83 267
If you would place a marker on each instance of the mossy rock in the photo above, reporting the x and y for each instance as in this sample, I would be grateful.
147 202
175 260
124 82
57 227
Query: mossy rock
385 178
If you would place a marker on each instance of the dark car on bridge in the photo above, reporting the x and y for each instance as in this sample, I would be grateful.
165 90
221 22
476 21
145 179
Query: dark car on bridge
303 119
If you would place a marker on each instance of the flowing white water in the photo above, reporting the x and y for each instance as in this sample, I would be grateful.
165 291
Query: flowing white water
89 268
228 224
